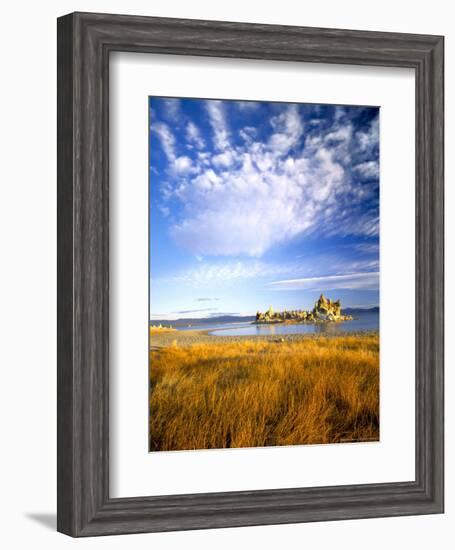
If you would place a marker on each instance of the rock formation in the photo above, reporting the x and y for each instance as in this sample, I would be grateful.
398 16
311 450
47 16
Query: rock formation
324 310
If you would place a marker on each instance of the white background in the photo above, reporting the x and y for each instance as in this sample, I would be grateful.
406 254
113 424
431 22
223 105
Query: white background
133 471
28 274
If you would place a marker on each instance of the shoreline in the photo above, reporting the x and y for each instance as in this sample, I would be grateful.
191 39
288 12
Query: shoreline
185 338
302 322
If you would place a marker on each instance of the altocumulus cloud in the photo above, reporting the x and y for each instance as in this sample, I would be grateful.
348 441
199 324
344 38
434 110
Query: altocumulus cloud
243 187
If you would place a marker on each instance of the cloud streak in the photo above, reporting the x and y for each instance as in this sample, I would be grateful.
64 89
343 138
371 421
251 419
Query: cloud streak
217 116
352 281
193 135
185 311
231 271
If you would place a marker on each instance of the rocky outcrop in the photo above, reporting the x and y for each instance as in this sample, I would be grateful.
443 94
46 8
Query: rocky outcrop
324 310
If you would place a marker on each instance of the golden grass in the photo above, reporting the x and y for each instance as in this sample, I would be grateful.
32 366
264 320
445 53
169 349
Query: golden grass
259 393
159 330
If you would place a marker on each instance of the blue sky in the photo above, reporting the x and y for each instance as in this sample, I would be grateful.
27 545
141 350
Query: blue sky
255 204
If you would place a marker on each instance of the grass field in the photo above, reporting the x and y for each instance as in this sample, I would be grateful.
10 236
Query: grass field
159 330
256 393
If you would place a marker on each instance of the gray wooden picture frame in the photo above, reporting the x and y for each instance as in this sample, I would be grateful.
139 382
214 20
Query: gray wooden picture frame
85 41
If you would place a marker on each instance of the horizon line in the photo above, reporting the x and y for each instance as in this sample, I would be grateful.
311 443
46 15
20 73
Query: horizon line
162 317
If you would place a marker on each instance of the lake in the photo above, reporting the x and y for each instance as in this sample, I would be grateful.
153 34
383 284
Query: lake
212 326
362 322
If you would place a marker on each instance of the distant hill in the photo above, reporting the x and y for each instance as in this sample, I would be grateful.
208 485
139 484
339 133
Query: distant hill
357 310
185 321
204 321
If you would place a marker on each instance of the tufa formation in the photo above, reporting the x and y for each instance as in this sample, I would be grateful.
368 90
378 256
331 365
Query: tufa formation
324 310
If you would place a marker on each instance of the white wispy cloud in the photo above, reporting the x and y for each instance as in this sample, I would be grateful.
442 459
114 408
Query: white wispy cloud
368 169
248 133
247 105
341 134
165 210
193 135
352 281
305 267
224 160
172 109
166 138
183 165
205 309
370 138
180 165
288 128
368 248
229 271
217 117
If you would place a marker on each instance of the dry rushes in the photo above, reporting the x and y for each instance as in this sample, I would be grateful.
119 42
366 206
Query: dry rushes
256 393
158 329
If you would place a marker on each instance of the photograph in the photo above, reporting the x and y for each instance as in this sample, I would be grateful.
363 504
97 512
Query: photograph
264 274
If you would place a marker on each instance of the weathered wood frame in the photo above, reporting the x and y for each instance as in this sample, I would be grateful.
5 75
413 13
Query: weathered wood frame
84 43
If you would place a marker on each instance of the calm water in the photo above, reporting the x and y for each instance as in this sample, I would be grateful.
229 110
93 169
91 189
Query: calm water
213 326
361 322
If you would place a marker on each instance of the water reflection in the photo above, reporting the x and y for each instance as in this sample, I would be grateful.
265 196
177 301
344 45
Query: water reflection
363 322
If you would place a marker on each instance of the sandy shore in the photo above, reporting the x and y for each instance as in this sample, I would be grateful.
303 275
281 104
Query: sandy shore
189 337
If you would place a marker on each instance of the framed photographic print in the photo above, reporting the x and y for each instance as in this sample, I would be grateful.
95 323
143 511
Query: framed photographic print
250 252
